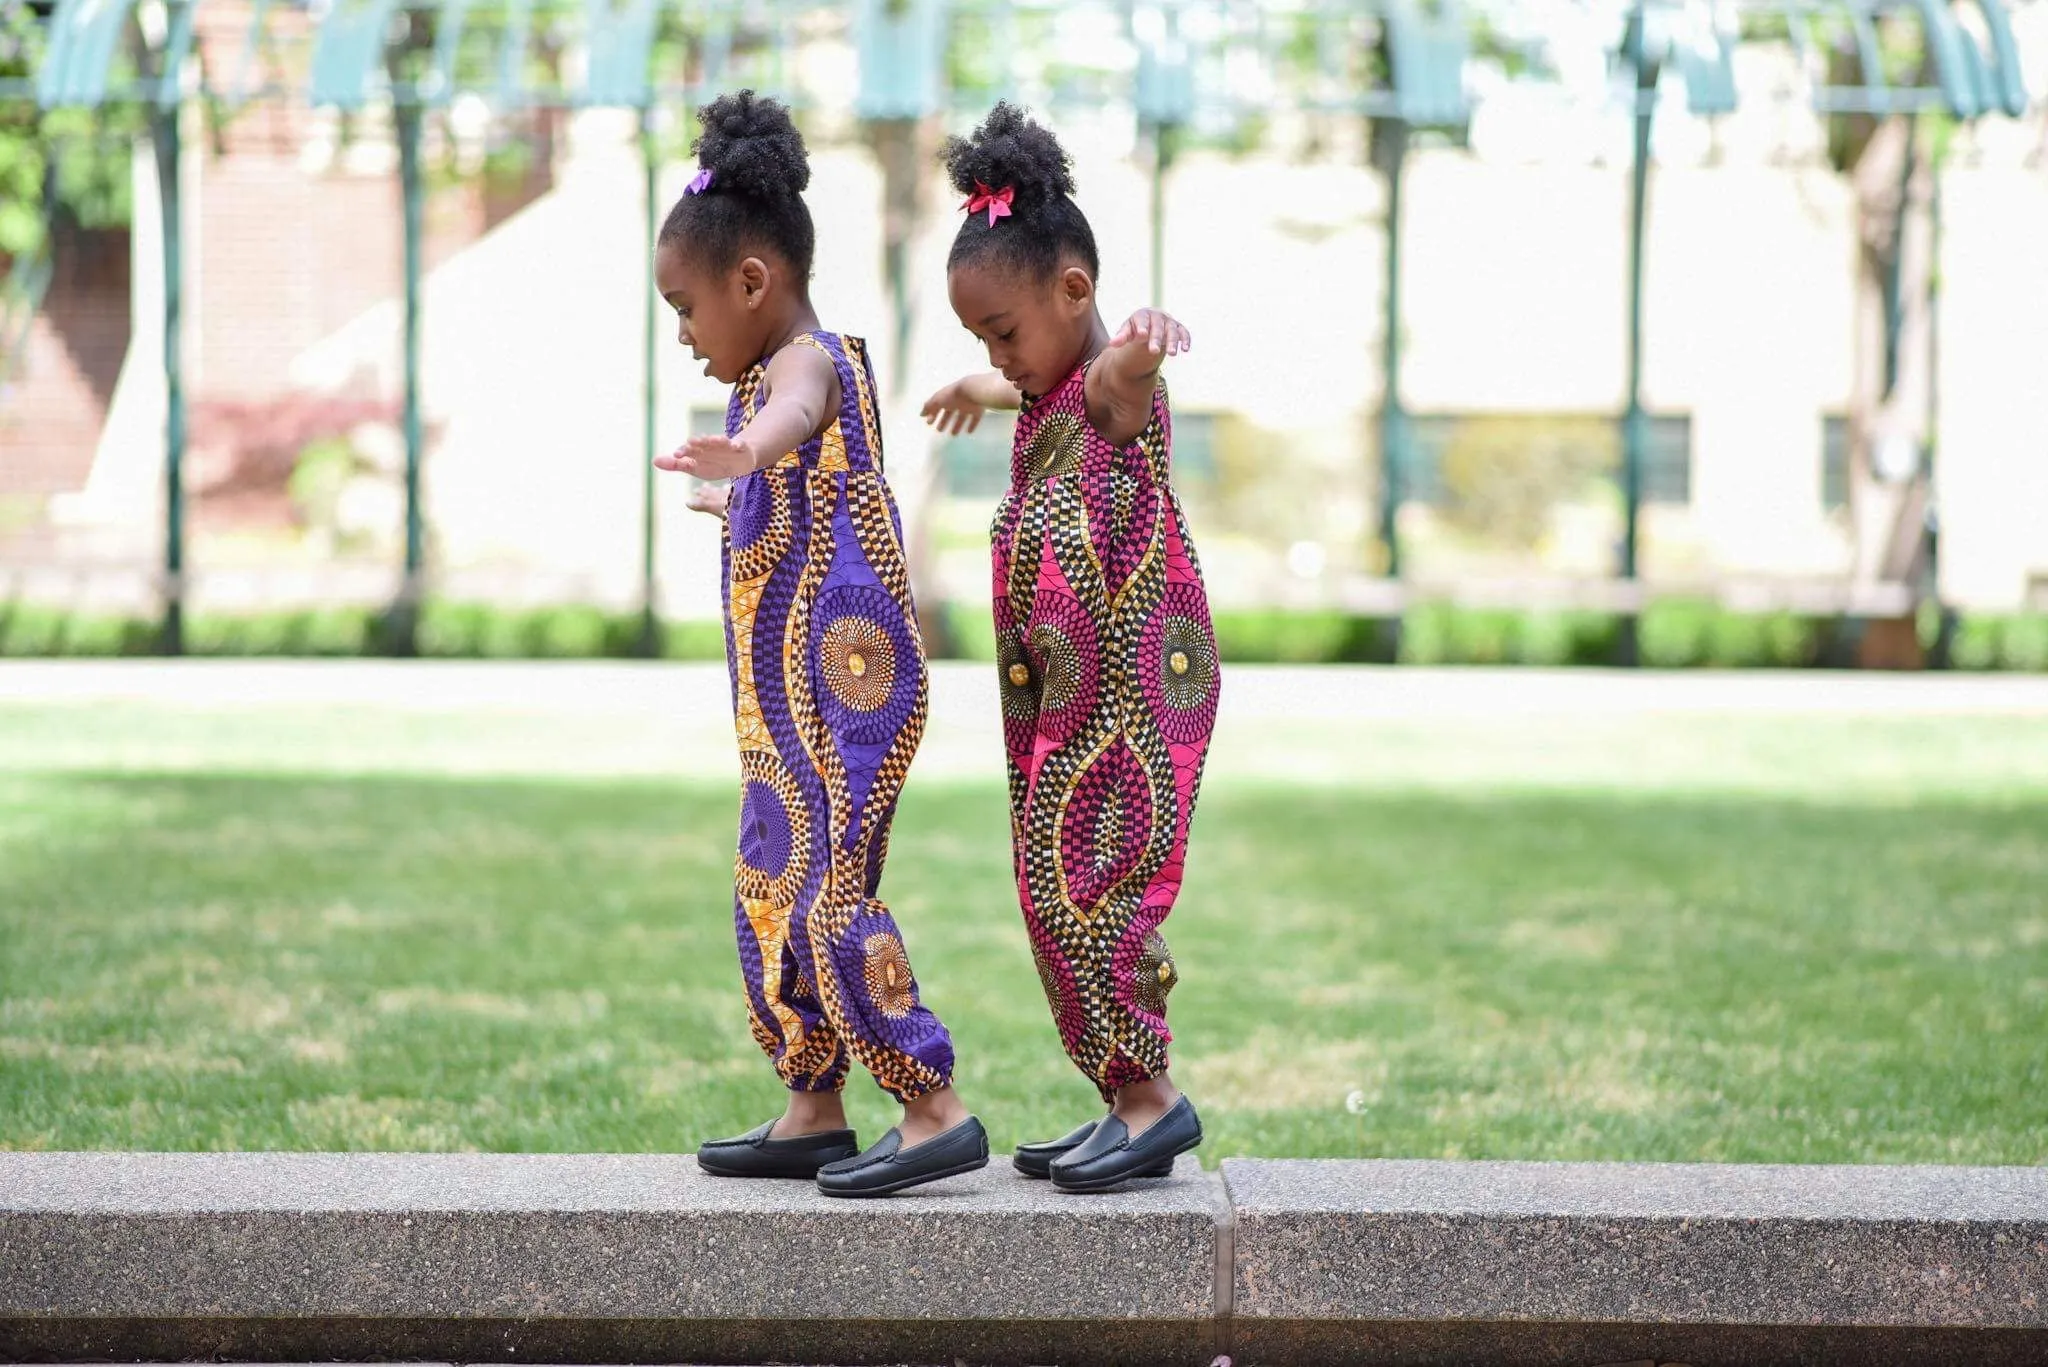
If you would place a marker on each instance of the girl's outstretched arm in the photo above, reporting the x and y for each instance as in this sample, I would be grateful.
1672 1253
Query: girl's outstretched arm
958 407
1121 381
803 394
710 498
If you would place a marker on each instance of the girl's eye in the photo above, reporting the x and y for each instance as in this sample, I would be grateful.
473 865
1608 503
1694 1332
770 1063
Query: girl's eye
1006 336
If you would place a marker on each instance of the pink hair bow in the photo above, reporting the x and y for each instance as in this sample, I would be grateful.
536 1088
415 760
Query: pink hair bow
997 202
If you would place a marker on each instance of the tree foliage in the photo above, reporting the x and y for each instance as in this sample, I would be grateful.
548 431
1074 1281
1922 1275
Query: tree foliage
64 168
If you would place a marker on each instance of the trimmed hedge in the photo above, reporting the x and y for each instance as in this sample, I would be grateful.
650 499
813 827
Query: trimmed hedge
1672 634
465 631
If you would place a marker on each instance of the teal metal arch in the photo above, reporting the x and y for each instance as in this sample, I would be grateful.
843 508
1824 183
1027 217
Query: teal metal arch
618 69
1971 79
348 52
1426 56
900 46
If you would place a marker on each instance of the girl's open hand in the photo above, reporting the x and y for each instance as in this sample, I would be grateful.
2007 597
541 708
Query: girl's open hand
710 498
709 457
1159 334
953 410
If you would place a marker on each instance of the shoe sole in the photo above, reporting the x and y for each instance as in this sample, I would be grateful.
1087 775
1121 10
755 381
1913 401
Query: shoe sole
906 1183
1162 1170
811 1176
1108 1183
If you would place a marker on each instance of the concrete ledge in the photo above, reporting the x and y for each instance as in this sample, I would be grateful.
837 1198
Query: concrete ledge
1557 1262
626 1258
585 1258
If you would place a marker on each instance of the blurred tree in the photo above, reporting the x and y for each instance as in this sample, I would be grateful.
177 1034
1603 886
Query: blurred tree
64 171
1891 162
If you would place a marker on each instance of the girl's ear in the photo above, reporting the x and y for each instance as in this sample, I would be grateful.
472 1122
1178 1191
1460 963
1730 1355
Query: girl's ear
754 278
1077 289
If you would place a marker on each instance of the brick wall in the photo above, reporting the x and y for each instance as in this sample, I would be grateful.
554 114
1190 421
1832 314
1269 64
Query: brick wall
282 256
50 416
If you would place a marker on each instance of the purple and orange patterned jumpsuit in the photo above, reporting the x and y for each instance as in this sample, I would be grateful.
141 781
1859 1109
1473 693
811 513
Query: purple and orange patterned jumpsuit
829 694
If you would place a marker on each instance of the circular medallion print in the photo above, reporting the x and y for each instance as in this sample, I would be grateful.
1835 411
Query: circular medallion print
1016 681
1057 446
1062 642
774 830
867 660
759 524
887 972
1153 975
1104 825
1178 667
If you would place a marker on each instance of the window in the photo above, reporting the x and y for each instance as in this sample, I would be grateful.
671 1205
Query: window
977 463
1667 460
1194 448
1422 474
1509 444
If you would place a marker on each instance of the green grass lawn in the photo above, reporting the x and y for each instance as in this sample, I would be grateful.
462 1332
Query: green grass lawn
1677 967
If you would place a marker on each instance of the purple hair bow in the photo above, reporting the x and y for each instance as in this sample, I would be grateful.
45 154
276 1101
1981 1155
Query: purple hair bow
699 183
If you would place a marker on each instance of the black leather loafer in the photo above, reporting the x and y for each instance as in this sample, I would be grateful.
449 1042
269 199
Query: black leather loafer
1110 1156
888 1167
1036 1160
754 1154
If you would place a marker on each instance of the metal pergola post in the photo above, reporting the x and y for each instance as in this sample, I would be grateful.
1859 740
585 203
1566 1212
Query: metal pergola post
1164 93
1425 64
349 53
1645 70
86 37
168 148
1393 417
1162 159
1703 63
166 114
404 637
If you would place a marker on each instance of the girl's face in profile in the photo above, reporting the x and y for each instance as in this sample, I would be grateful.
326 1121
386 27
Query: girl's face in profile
718 313
1035 330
